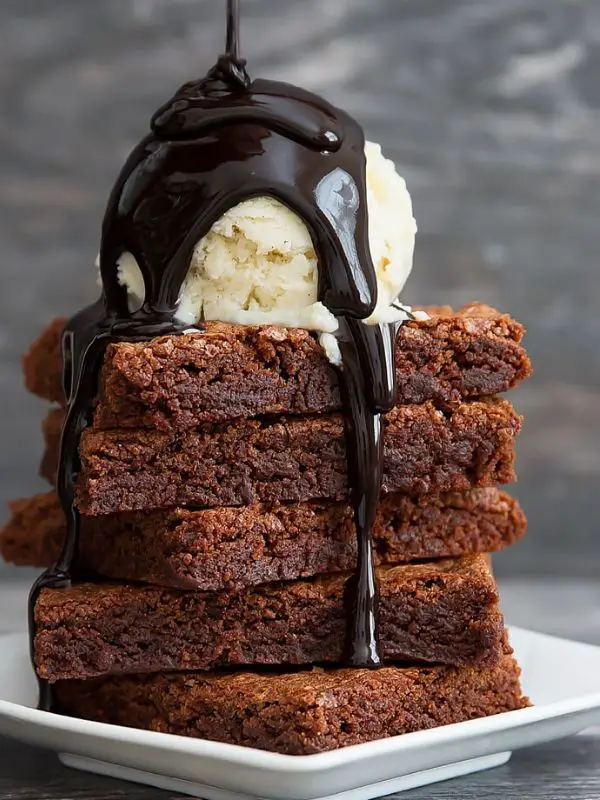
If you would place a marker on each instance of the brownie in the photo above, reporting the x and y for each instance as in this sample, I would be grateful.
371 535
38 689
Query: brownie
51 431
442 611
230 372
227 548
42 364
295 459
33 534
297 713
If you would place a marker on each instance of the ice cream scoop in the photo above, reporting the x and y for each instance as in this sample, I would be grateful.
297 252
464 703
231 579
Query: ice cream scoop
258 264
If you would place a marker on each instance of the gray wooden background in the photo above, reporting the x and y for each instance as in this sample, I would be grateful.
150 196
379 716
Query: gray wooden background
491 109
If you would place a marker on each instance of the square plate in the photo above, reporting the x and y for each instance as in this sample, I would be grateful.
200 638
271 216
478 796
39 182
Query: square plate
561 677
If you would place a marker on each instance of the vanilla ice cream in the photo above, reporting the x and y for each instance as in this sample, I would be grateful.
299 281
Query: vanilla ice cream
257 265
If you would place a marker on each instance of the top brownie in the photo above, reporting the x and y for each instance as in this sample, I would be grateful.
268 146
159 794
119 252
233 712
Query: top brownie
230 372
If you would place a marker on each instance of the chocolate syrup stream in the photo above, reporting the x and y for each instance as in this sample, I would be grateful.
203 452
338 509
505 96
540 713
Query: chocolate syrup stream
232 46
220 140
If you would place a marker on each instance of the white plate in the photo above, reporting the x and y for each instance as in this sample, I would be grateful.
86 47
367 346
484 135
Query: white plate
561 677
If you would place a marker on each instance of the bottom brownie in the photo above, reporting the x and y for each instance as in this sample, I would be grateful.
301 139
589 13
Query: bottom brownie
298 712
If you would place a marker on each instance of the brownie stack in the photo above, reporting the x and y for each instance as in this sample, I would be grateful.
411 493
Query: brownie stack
217 537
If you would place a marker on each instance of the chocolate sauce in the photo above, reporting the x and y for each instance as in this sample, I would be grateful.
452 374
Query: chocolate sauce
220 140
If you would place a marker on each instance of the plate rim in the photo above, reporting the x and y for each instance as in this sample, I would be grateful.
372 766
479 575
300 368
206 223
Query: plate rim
243 756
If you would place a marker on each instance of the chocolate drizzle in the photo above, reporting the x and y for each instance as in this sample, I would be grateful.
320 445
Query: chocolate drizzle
218 141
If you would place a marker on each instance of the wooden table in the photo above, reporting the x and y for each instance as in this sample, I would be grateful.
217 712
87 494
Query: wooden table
566 770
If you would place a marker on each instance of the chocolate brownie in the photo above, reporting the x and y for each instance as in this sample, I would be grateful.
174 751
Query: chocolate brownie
297 713
229 372
295 459
42 364
51 431
442 611
33 534
227 548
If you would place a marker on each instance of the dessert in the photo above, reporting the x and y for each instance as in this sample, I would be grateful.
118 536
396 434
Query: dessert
255 439
286 459
300 712
229 372
230 547
443 612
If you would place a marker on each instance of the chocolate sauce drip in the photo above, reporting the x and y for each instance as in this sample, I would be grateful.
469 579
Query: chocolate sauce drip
218 141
